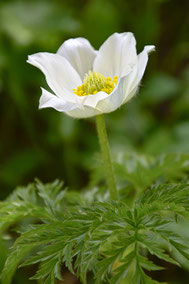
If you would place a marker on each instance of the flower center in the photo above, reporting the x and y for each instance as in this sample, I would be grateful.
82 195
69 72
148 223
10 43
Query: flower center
95 82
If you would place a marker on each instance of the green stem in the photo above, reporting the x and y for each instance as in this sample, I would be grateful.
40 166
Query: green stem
105 149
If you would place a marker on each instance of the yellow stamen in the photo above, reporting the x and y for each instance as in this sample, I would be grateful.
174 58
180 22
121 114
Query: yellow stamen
95 82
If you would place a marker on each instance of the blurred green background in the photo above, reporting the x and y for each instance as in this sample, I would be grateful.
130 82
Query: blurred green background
49 145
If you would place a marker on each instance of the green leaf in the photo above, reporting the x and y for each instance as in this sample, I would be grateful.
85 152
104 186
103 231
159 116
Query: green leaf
141 170
12 262
147 264
105 238
181 248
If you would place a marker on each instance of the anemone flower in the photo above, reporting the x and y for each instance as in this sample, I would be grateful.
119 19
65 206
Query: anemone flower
86 82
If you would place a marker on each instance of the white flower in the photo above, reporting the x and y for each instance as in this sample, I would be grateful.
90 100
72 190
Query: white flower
86 82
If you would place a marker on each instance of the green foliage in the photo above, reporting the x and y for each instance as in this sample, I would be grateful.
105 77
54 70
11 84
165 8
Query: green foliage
156 121
140 171
110 239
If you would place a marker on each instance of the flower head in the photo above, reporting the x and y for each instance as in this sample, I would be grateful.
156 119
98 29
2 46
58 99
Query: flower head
86 82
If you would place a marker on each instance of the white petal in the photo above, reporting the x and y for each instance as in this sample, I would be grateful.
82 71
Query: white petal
132 81
112 101
116 55
49 100
141 65
92 100
79 53
60 75
86 112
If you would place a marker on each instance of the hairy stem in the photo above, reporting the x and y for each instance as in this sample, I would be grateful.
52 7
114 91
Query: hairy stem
105 149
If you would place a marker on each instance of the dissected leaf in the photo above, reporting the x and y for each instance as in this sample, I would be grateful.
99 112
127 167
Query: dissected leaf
106 238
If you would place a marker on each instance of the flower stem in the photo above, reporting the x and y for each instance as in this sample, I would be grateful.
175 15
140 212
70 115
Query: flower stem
105 149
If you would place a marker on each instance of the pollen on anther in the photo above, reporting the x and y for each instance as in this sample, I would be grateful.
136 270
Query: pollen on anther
95 82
